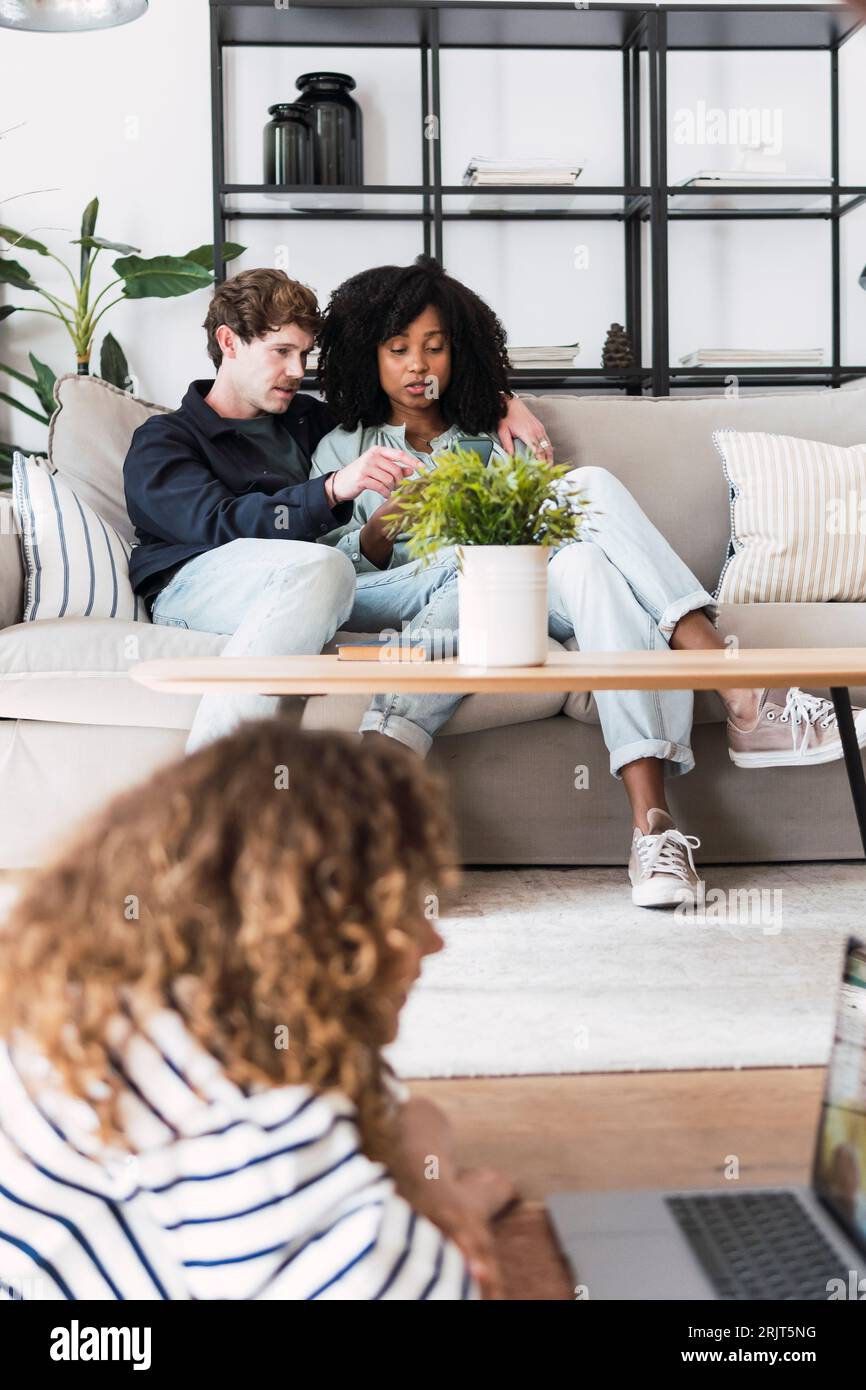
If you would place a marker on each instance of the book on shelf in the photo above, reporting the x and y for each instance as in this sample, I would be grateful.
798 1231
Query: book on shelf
715 182
754 357
563 355
763 178
482 171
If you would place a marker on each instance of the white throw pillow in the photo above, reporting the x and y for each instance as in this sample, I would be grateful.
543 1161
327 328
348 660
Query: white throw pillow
798 519
75 564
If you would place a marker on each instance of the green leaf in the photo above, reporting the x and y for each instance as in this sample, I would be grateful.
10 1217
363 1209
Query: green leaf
10 400
103 244
19 376
161 276
204 255
113 365
88 227
22 242
6 310
44 387
11 273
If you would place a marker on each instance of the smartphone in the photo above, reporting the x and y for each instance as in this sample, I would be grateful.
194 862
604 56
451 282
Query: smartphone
482 447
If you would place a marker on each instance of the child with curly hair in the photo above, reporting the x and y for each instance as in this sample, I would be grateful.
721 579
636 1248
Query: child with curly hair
194 998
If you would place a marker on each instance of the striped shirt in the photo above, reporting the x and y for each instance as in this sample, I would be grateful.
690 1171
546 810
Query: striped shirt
230 1195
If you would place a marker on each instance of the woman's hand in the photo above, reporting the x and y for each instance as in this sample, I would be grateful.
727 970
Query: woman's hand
461 1202
376 537
520 423
378 469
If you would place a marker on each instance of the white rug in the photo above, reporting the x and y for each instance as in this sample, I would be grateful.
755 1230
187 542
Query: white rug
553 970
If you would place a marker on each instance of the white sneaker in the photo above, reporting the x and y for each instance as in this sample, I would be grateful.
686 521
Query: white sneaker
661 867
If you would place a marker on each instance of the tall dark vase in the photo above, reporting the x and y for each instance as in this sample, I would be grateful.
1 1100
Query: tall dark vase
288 144
335 118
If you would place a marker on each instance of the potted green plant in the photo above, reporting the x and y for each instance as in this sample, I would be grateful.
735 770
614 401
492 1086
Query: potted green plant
503 518
137 277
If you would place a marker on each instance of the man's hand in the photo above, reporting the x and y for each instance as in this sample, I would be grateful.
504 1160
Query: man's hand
520 423
378 469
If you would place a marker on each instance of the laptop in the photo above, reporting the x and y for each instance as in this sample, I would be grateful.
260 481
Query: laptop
743 1243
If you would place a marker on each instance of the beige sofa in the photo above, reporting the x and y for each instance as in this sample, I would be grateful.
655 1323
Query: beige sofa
74 728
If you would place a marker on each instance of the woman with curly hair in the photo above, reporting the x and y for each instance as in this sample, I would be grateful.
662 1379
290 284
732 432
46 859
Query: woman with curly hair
413 361
194 998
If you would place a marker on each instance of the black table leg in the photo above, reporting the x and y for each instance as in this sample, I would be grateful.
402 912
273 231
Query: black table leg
853 761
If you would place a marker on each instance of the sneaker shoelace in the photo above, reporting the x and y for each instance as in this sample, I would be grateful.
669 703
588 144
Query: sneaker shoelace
804 709
668 853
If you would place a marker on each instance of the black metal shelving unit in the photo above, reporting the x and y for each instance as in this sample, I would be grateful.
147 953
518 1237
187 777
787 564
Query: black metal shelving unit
635 30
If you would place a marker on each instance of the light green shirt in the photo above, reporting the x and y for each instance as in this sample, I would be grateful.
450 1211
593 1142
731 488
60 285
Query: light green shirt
342 447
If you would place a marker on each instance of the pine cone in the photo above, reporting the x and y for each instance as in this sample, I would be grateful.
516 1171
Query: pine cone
617 350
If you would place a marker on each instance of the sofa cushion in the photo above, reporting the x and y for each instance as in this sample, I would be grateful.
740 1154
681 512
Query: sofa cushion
662 449
76 565
76 671
796 519
88 440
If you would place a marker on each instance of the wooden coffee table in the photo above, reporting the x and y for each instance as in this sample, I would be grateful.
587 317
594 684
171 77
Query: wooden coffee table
835 667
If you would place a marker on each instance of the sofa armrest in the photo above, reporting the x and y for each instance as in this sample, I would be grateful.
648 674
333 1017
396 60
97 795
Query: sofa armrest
11 566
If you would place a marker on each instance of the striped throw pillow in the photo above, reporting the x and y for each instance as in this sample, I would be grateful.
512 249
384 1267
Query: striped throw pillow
798 520
75 564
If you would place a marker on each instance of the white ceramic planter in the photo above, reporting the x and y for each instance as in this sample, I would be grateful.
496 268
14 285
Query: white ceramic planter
503 605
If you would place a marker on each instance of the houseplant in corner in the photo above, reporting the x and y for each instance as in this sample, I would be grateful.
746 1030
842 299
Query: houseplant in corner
503 518
137 277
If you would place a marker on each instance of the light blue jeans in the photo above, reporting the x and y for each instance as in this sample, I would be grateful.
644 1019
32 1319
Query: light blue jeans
276 598
623 588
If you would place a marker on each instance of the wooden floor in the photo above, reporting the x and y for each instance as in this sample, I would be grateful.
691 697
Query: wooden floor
647 1129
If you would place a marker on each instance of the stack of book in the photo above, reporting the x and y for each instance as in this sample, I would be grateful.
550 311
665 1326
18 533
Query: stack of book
715 182
485 172
562 356
754 357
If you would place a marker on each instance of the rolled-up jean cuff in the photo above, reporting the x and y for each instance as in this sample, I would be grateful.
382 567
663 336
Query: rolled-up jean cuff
678 758
395 726
674 611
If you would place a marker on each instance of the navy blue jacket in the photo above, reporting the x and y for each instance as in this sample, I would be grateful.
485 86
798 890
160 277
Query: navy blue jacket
190 486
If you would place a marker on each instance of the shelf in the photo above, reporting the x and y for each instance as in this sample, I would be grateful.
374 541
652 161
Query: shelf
407 201
553 24
765 376
595 377
720 27
741 202
429 28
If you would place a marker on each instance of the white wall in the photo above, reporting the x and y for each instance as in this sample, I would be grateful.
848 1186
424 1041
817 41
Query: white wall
125 114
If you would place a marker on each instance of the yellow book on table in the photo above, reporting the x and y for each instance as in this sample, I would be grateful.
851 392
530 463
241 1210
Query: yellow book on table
373 651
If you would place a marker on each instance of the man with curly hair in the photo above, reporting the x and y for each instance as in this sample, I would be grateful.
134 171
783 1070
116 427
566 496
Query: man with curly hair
227 515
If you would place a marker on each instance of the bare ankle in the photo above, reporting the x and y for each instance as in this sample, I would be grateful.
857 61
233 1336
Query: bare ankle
742 706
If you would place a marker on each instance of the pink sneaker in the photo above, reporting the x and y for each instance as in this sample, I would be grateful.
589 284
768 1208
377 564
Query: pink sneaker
661 866
792 729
